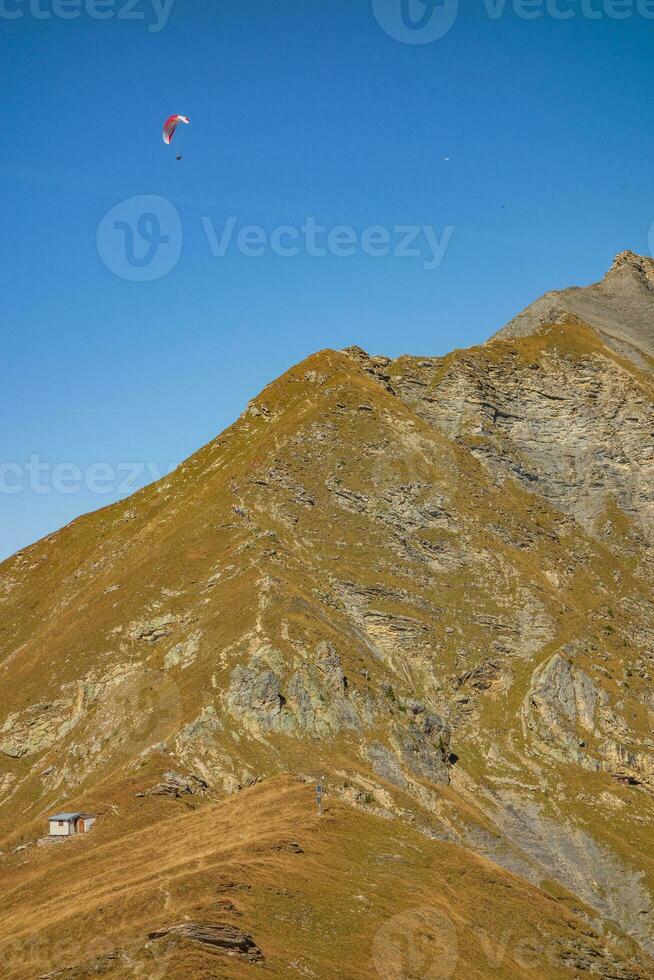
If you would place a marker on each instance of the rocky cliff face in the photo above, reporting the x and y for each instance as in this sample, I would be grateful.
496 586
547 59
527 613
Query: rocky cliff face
429 579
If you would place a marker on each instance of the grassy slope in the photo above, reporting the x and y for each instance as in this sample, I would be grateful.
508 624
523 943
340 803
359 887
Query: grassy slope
56 627
319 896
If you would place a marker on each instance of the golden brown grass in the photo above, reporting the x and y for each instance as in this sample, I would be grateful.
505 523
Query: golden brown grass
347 895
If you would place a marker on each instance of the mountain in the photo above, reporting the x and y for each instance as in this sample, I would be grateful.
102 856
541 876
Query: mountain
424 583
620 309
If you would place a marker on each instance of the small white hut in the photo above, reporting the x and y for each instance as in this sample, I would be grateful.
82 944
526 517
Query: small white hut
69 824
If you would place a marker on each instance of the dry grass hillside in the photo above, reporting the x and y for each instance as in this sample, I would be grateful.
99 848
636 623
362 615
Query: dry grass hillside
346 894
427 580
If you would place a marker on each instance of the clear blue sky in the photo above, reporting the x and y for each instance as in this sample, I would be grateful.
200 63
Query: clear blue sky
299 108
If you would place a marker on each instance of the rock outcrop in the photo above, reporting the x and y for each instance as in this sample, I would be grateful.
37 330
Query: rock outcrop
225 937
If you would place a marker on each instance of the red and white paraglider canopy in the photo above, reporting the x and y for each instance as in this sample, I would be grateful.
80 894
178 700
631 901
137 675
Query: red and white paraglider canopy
171 125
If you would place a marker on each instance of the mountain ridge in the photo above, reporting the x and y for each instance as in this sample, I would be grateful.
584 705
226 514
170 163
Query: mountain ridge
427 580
620 308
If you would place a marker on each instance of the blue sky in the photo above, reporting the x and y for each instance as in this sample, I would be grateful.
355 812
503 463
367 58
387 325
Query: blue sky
300 109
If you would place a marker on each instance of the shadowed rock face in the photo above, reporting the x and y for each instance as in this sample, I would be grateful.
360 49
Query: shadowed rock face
429 579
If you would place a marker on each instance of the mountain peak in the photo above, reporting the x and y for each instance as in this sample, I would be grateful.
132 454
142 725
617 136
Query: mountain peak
619 309
638 266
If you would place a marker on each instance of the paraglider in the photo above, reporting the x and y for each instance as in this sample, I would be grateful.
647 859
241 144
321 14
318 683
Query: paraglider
171 125
169 128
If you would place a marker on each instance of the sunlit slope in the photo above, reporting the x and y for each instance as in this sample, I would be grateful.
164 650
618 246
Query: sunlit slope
429 580
346 895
